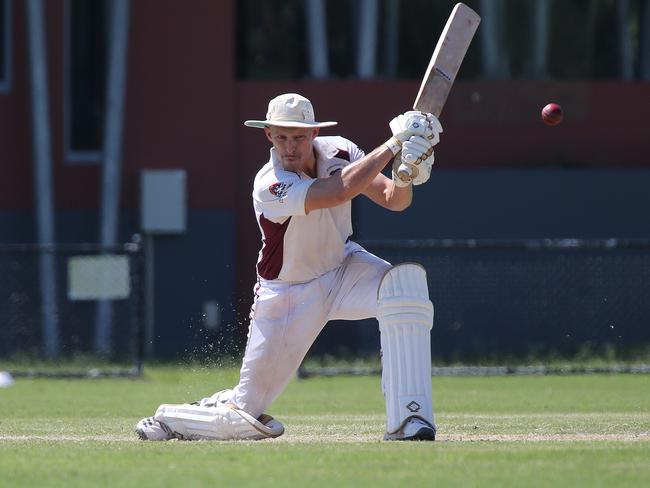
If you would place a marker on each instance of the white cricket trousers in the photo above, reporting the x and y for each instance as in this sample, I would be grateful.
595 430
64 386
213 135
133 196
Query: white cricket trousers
286 319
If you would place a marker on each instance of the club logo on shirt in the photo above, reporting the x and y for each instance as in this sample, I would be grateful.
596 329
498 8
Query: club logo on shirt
280 190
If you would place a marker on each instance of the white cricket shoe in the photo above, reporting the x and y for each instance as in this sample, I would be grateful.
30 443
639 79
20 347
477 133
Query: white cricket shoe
413 429
219 398
149 429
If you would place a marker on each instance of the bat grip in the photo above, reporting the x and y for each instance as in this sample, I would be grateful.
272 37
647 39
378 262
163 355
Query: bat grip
403 172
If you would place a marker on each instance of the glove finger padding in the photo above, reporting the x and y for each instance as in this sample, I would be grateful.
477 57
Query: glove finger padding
435 125
419 142
416 123
413 124
428 126
423 170
415 149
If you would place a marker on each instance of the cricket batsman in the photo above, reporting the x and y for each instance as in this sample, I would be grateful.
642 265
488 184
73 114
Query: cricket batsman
310 272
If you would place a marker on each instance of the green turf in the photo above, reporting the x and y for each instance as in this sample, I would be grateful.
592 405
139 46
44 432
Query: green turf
493 431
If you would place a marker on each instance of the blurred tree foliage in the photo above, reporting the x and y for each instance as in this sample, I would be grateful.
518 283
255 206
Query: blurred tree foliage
584 38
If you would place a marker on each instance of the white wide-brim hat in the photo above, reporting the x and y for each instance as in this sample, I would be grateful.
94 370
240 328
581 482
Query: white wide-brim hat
289 110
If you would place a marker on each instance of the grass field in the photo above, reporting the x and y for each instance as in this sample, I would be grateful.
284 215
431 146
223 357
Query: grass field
521 431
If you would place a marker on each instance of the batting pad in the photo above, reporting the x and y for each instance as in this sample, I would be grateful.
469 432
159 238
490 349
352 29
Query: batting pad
405 321
219 422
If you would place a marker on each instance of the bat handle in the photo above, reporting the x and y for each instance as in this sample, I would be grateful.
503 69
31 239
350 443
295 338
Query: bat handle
404 172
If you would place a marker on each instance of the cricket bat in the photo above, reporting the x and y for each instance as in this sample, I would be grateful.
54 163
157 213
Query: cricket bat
445 63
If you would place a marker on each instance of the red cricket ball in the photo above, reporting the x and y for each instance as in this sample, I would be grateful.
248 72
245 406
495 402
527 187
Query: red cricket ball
552 114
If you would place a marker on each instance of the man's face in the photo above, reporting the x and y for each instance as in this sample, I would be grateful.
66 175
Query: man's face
294 145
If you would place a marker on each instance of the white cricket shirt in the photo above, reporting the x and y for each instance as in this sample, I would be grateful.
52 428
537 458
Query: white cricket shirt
298 247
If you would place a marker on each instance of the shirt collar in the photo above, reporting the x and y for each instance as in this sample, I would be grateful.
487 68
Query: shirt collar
324 149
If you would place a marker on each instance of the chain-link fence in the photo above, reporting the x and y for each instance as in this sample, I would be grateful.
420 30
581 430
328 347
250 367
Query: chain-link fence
72 309
521 300
532 297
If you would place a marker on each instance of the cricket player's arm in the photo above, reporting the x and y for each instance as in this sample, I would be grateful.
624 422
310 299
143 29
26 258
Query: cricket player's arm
385 193
346 184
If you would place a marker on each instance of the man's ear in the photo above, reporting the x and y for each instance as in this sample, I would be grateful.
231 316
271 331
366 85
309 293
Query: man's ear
315 132
267 132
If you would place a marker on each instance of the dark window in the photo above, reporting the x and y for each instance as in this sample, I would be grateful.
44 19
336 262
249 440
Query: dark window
86 52
270 39
582 39
5 43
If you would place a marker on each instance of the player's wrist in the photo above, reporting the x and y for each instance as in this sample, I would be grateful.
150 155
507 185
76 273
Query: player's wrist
394 145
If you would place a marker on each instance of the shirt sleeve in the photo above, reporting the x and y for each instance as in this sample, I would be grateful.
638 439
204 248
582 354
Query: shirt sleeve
281 196
355 152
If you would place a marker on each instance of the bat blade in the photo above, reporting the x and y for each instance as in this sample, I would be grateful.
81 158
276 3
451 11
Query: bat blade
446 59
444 65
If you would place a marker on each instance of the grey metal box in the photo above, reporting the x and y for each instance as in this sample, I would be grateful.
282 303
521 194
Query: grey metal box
163 202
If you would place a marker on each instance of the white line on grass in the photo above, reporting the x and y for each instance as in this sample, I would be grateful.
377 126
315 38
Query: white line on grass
327 438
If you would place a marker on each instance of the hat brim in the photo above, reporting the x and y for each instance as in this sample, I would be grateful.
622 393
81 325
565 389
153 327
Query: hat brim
260 124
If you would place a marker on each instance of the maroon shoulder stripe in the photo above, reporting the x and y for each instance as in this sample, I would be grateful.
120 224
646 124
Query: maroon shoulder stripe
270 263
341 154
